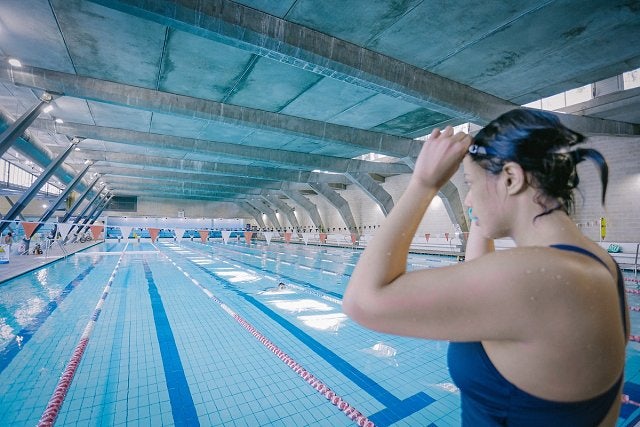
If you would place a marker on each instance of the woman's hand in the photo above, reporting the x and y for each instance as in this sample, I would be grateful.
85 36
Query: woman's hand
440 157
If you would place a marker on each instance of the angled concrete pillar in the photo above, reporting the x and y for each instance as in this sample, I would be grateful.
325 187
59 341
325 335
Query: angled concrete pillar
452 202
338 202
11 204
93 216
373 190
30 193
86 214
255 213
49 212
262 206
89 205
84 194
306 204
287 210
17 128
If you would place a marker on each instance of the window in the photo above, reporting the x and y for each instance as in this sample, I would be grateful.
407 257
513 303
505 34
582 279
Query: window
123 204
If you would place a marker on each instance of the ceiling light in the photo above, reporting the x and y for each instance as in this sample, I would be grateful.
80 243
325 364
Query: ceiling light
14 62
59 121
47 108
45 206
77 148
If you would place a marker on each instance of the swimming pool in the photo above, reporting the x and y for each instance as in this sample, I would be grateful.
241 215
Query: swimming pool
200 334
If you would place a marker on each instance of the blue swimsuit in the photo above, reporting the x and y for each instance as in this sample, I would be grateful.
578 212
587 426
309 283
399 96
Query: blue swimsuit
489 399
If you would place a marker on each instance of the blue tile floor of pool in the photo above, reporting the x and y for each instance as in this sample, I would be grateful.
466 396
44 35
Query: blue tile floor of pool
199 334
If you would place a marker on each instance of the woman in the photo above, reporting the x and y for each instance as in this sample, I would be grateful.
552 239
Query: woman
537 332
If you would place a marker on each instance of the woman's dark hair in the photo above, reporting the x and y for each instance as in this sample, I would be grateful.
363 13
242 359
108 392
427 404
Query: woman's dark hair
543 147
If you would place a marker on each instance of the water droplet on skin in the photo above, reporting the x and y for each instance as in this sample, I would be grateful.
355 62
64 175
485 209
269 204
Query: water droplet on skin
527 271
542 270
388 253
558 277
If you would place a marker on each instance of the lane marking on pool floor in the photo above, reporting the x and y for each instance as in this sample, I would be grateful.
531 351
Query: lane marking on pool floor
395 409
349 410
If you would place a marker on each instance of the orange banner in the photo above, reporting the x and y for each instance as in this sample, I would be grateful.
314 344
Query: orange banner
153 232
29 228
247 236
323 237
287 237
354 238
96 230
203 235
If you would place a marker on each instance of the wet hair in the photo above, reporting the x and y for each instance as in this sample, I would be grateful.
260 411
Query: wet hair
543 147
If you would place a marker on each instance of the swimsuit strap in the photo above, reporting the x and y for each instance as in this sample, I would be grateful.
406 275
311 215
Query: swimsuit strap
620 283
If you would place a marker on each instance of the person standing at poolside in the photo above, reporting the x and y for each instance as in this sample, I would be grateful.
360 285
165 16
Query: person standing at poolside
538 332
8 240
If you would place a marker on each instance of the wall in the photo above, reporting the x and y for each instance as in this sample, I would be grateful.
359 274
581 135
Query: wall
622 209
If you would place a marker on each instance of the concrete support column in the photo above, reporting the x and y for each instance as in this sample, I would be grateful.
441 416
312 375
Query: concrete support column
86 208
83 215
373 190
452 202
8 199
253 212
35 187
17 128
49 212
76 205
263 207
95 213
306 204
338 202
287 210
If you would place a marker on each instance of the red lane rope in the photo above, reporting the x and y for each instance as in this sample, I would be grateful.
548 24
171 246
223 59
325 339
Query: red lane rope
50 414
52 410
349 410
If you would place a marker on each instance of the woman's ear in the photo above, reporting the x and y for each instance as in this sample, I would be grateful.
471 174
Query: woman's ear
514 178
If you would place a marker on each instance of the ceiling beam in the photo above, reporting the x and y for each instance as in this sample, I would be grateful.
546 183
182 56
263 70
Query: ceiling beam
106 160
269 36
169 103
224 149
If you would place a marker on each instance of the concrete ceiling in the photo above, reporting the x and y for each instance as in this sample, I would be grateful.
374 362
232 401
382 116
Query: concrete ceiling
224 100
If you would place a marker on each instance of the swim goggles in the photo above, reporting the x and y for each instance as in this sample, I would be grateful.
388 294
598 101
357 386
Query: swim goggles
482 151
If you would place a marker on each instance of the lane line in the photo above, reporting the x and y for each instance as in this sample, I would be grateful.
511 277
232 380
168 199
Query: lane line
349 410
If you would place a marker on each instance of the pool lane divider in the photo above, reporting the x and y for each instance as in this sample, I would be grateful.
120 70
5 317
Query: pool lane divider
306 287
395 409
349 410
273 259
52 410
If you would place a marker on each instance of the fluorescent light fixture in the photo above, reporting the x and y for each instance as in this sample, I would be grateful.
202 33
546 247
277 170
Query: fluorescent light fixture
15 63
59 121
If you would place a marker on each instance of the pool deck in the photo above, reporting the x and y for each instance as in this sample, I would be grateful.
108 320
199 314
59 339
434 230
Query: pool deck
20 264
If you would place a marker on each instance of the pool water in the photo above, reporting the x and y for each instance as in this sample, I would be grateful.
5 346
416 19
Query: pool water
200 334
